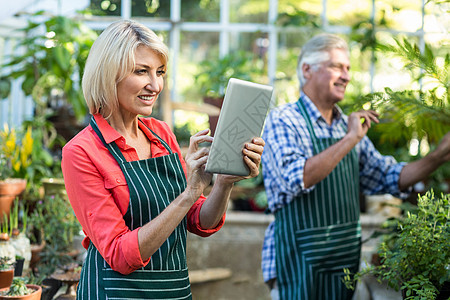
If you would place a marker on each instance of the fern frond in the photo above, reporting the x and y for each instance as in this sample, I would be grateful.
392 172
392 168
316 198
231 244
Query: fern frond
426 61
407 112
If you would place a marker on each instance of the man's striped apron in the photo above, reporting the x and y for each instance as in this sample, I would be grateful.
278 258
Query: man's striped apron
319 233
153 183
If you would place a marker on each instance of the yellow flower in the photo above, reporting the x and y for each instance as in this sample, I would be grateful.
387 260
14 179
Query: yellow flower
17 156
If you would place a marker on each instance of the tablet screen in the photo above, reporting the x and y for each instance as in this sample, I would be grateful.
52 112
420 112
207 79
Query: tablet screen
241 118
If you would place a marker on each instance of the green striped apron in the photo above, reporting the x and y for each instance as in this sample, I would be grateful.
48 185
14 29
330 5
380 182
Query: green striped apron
319 233
153 183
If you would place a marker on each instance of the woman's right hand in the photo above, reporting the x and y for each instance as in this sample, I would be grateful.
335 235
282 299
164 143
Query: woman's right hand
196 157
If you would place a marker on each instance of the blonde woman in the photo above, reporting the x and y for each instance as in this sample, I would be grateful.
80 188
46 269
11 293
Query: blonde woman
128 184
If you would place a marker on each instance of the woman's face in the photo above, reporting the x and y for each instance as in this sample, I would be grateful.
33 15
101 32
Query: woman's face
138 91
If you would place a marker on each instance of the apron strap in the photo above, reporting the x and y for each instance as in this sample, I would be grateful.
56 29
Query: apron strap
305 115
160 139
114 149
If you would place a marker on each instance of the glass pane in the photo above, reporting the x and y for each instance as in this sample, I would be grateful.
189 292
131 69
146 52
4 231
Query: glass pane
195 47
402 15
200 11
286 82
299 13
390 71
360 62
106 7
440 43
251 46
436 17
150 8
249 11
348 12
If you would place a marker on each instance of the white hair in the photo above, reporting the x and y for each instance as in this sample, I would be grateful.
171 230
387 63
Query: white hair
316 50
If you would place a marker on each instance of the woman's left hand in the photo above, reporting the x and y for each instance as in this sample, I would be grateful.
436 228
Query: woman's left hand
252 157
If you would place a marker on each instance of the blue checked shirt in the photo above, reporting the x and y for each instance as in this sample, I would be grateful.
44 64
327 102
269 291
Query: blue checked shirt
289 145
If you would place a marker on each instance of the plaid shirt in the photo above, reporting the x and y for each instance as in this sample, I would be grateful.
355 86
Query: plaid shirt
289 145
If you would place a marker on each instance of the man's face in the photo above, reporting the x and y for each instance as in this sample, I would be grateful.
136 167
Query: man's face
329 80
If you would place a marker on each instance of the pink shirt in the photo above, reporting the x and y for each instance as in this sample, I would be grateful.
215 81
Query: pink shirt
99 194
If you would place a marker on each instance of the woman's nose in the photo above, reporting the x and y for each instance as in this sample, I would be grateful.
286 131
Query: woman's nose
151 83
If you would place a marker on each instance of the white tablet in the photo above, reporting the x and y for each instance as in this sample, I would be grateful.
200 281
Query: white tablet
241 118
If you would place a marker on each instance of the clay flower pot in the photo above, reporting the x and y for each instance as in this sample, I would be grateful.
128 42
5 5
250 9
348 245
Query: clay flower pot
9 189
35 295
6 277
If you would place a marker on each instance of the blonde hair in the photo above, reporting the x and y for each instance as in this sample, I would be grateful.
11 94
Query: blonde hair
316 50
111 59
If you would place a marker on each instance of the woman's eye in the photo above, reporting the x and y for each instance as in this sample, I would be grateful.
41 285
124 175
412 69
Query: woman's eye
161 72
141 71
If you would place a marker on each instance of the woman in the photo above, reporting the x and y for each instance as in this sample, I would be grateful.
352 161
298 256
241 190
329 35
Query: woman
128 184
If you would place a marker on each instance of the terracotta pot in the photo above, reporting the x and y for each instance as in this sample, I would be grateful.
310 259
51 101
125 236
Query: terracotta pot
6 278
36 254
213 119
36 295
9 190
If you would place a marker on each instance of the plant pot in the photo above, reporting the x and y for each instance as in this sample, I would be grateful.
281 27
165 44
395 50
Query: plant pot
50 287
9 189
444 292
36 295
36 254
6 278
18 267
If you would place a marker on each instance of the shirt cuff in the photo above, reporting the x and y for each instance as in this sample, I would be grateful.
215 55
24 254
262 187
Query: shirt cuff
194 220
131 252
392 178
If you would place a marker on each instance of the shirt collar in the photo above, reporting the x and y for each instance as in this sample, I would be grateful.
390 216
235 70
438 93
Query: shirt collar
110 134
314 113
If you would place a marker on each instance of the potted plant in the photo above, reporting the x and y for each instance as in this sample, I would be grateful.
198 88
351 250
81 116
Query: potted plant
20 290
213 77
58 226
19 240
15 154
416 258
6 271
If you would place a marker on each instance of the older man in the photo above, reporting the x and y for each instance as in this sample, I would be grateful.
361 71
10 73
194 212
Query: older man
315 163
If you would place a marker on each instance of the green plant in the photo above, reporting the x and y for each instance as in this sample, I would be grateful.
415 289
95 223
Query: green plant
213 75
5 263
55 218
53 62
18 288
415 258
5 87
56 224
421 113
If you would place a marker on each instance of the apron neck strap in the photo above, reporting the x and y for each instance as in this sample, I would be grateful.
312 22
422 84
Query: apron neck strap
160 139
311 131
114 149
